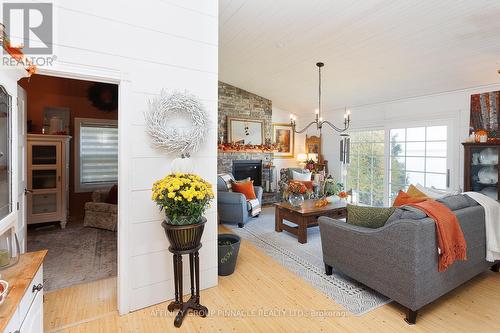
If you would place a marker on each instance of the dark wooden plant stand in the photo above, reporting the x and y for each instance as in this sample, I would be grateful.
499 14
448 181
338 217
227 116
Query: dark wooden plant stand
194 301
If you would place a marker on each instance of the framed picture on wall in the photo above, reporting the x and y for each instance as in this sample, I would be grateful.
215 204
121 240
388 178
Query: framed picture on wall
485 115
245 131
284 139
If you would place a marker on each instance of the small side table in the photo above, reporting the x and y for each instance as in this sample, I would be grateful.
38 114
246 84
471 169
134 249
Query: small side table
194 301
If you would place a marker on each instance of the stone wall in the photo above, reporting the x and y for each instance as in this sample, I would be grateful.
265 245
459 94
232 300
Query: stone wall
236 102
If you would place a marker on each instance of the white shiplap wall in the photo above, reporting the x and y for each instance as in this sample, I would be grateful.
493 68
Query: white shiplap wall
151 45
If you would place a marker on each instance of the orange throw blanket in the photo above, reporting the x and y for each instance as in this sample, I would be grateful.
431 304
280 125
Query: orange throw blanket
451 239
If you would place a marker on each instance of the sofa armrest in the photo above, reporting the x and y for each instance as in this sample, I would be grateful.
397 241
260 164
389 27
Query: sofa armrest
258 193
390 259
232 207
231 198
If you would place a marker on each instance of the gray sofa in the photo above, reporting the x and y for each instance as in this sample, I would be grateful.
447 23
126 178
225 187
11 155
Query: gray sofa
400 259
233 206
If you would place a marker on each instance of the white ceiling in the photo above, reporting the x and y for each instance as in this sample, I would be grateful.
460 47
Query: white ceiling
373 51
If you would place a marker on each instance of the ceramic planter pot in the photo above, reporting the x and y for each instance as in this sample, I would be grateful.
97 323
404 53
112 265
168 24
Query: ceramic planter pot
228 248
184 237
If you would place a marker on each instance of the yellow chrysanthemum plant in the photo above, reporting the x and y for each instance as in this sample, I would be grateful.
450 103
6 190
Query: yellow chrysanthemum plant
183 197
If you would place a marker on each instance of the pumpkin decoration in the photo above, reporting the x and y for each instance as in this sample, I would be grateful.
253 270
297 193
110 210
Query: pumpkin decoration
481 136
321 203
182 164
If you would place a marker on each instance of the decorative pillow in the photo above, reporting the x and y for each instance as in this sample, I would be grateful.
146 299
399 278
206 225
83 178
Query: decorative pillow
434 193
416 193
245 188
403 199
456 202
113 195
301 176
368 217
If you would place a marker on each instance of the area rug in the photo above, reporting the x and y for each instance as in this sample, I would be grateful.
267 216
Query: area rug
76 254
306 260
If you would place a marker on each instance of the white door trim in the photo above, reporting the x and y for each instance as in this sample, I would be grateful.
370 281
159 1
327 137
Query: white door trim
98 74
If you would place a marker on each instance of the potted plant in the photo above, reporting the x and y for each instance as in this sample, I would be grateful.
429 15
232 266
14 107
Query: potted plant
332 189
184 198
228 248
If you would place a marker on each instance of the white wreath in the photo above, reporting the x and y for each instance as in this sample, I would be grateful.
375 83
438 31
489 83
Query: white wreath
169 106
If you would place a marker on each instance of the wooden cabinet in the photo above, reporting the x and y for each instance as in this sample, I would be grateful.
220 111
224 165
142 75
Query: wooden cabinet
481 168
48 183
22 311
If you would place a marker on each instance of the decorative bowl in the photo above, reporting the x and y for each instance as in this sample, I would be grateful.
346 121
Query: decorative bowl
488 175
488 156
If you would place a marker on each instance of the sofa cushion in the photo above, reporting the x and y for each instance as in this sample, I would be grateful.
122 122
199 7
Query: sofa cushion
456 202
369 217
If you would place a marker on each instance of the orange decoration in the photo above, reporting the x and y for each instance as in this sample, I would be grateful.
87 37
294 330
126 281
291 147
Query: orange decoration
480 134
16 52
320 203
342 194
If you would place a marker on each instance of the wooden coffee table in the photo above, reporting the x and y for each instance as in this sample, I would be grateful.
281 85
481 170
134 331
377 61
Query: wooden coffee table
305 216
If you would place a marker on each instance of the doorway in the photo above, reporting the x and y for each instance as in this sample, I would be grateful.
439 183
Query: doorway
71 177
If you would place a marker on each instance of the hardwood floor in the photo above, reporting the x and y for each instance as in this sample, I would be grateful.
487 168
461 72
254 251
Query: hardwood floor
255 290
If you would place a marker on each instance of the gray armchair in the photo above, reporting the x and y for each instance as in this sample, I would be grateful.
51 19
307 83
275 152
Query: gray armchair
233 206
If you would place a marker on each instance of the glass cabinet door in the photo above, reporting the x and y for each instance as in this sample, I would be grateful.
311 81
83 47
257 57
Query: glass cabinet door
44 179
484 170
44 154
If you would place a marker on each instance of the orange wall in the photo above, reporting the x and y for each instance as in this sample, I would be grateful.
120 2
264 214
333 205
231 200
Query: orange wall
45 91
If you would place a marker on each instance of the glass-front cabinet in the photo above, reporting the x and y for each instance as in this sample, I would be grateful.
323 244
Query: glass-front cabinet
481 168
48 164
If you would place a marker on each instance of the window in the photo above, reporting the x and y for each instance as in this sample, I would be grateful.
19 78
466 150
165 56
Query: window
96 153
365 173
418 155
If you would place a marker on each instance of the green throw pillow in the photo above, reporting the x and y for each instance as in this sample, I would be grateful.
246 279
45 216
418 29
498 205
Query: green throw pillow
369 217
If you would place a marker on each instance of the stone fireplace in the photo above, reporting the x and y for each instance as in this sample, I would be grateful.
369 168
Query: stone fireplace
236 102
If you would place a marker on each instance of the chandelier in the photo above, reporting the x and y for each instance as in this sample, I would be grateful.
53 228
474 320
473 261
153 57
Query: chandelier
318 121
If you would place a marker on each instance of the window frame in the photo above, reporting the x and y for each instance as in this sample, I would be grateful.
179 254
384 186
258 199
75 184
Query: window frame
453 148
86 187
